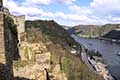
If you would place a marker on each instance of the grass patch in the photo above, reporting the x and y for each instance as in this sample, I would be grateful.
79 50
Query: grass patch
26 52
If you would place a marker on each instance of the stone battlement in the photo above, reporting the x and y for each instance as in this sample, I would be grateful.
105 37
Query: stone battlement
6 11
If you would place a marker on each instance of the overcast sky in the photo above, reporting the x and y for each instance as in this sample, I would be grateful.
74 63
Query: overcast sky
67 12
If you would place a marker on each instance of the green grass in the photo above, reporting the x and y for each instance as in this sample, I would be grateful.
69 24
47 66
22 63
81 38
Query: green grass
26 52
66 65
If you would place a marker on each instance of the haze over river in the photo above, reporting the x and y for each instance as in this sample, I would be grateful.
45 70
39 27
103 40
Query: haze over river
107 49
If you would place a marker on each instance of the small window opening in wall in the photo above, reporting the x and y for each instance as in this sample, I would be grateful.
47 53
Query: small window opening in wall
51 62
36 45
19 45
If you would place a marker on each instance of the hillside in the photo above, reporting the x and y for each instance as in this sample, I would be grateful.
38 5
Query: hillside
108 27
54 31
114 34
59 43
93 30
90 30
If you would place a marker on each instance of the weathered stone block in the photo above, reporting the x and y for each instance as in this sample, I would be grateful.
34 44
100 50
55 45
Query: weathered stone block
43 60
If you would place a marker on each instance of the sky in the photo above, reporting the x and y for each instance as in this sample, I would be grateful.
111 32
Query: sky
67 12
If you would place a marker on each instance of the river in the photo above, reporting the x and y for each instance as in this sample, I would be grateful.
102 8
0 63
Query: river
107 49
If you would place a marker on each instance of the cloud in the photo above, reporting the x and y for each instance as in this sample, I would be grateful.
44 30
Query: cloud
14 8
106 7
65 1
80 10
105 4
44 2
47 2
99 11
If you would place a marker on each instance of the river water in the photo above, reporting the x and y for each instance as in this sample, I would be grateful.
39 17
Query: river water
107 49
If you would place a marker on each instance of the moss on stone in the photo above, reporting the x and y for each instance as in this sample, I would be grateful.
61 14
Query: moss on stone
26 52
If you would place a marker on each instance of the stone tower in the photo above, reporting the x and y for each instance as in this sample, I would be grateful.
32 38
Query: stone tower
20 22
5 45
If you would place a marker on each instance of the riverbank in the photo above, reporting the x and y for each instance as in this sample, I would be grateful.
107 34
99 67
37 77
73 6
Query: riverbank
110 40
101 38
97 66
102 68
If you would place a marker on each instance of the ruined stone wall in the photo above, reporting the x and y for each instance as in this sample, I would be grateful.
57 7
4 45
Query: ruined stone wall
8 50
6 11
19 21
8 41
2 51
40 57
1 34
8 44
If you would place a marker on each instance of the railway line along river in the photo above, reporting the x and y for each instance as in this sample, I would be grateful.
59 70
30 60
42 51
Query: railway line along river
107 49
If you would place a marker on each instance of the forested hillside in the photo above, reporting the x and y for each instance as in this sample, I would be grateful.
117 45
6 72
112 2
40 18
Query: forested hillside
59 43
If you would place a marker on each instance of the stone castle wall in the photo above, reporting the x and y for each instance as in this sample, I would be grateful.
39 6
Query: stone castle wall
19 21
1 34
9 39
2 49
8 44
9 49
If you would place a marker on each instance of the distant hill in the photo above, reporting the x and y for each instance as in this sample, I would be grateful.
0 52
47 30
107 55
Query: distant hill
72 30
84 30
108 27
66 27
92 30
114 34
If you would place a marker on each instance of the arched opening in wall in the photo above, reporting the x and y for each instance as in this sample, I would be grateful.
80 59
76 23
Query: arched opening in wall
19 45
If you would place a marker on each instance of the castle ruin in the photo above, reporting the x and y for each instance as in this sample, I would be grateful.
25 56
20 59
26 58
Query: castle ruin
9 38
2 50
20 22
